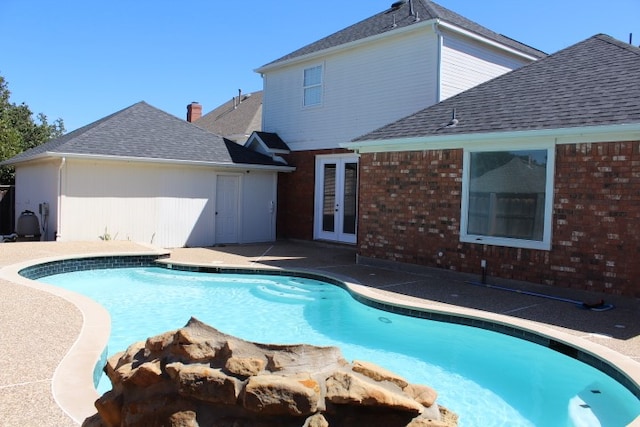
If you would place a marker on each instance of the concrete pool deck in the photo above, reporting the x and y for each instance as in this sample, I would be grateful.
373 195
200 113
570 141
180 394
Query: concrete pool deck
39 328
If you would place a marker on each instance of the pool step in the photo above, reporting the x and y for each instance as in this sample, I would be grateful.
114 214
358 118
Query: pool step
291 291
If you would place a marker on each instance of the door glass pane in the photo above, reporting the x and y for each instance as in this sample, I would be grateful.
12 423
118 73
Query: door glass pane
350 198
329 198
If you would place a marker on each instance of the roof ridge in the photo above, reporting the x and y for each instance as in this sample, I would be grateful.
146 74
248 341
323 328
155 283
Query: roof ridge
143 131
62 140
429 6
619 43
473 26
387 22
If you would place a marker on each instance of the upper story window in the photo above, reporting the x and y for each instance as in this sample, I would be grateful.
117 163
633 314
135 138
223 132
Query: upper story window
507 197
312 86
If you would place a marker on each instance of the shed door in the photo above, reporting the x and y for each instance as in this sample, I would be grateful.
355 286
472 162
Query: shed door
336 198
227 211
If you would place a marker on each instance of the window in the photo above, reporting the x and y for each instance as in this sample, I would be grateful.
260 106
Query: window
312 86
507 197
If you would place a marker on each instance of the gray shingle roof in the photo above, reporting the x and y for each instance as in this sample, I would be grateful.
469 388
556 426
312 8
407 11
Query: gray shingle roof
592 83
273 141
235 120
143 131
390 20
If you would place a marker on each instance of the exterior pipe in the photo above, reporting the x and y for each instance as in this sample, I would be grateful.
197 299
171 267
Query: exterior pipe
439 43
597 306
58 232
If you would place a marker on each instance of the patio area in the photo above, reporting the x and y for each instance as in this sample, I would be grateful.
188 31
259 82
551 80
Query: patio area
39 328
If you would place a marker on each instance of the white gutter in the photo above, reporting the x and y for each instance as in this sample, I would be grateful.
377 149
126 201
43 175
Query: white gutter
573 135
58 230
130 159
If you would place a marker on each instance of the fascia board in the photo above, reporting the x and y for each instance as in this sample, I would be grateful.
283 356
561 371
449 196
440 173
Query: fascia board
483 39
401 31
266 149
346 46
150 160
584 134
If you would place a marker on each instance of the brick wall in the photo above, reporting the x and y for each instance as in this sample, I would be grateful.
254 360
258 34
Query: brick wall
410 212
295 195
410 207
596 234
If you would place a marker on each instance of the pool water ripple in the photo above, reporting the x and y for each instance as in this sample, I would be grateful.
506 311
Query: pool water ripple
489 379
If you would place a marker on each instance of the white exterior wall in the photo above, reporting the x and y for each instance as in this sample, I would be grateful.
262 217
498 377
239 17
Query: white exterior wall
363 89
467 63
162 205
165 205
35 184
377 83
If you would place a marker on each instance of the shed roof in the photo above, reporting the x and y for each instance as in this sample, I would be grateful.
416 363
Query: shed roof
144 132
592 83
393 19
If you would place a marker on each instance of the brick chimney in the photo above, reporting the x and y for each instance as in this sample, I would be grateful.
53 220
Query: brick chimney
194 112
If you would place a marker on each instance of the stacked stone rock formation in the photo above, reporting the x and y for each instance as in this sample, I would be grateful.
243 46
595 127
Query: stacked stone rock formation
198 376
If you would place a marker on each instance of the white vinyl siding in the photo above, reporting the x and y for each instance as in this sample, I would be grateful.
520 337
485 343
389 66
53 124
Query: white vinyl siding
40 180
466 63
168 206
161 205
362 89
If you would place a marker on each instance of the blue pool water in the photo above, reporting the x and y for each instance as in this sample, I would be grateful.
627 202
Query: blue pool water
488 379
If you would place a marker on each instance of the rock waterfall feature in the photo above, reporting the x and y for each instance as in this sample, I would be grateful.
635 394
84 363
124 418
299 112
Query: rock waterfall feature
198 376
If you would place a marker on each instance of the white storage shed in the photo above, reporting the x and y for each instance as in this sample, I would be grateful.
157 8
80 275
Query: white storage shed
144 175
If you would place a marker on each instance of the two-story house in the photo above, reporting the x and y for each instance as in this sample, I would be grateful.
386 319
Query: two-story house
405 58
538 178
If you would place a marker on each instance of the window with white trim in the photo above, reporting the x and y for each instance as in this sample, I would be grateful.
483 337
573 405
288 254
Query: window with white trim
312 86
507 197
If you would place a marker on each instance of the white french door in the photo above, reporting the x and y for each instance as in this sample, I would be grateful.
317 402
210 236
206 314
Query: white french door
336 198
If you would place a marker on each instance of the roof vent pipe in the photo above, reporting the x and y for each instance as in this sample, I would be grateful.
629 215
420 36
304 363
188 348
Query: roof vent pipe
411 11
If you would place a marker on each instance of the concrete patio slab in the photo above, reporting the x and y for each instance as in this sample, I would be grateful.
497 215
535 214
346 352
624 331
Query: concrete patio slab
41 325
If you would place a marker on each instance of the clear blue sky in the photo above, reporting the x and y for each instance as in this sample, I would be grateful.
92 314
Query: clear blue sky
82 60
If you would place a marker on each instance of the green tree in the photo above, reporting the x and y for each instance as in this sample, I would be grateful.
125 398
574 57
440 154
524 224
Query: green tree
19 131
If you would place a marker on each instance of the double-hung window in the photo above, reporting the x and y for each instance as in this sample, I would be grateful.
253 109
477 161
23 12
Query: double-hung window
507 197
312 86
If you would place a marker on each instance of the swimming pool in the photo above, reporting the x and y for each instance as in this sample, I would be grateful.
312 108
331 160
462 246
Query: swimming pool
486 377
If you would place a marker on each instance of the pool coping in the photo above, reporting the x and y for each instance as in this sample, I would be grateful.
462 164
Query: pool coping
618 366
72 383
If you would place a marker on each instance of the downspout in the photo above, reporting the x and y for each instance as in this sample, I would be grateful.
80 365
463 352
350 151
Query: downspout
439 42
58 232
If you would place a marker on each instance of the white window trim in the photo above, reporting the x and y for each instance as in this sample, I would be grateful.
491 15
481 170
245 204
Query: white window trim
545 243
320 85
